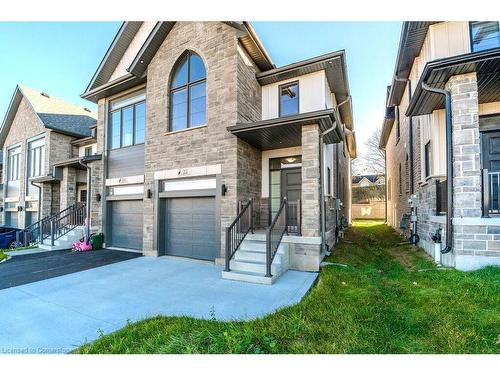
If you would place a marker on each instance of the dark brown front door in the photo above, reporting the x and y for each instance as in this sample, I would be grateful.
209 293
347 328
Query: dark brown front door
291 188
491 161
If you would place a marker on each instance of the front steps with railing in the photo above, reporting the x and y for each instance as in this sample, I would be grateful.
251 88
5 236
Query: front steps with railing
249 263
66 241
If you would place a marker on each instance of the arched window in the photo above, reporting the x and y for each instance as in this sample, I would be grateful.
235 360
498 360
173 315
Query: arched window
188 107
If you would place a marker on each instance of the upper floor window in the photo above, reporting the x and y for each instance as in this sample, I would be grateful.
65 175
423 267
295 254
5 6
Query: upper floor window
13 159
87 151
36 157
289 99
484 35
188 107
127 122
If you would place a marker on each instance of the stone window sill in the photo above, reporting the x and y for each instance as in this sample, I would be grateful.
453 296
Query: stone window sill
185 130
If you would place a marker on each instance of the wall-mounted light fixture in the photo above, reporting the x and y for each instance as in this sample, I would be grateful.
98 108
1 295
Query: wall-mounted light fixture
98 197
223 189
1 208
19 208
149 193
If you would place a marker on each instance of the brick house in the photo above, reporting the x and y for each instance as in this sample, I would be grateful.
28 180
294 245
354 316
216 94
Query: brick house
195 122
441 134
41 138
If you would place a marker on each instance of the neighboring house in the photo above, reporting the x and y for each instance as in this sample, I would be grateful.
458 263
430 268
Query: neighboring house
368 197
368 180
444 146
194 118
40 138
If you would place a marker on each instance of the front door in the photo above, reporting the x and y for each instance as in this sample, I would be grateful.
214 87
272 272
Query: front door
291 188
491 161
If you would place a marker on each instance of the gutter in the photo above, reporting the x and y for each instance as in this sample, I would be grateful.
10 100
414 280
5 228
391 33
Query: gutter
449 164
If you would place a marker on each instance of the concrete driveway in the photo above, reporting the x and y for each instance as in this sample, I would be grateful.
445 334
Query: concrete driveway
59 314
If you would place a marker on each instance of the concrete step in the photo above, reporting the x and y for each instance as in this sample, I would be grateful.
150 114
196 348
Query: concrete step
249 277
255 267
253 256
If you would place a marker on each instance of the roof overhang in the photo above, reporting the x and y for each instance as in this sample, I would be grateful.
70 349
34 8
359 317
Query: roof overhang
284 132
335 67
412 39
41 179
389 119
100 86
436 73
84 141
10 114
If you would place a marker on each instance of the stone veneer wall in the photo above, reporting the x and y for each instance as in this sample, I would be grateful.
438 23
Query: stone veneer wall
216 43
97 172
310 181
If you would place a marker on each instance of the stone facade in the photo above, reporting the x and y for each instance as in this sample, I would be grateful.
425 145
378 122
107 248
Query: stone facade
475 239
310 181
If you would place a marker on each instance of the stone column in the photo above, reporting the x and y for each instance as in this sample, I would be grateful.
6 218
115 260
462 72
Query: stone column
46 203
467 190
68 187
310 181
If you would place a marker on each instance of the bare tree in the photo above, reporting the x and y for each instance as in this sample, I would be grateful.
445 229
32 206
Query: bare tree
372 159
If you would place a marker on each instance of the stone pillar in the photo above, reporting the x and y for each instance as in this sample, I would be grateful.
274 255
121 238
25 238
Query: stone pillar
310 181
46 204
467 190
68 187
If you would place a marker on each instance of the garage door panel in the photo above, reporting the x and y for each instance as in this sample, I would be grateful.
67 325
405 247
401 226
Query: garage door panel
190 227
125 224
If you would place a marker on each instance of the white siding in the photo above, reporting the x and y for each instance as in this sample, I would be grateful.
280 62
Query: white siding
312 95
133 48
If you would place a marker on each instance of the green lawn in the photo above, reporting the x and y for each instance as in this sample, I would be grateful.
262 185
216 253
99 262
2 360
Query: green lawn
2 255
389 299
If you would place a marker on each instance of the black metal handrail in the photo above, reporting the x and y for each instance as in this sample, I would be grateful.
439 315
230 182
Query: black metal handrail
237 231
274 234
491 193
62 224
42 229
294 217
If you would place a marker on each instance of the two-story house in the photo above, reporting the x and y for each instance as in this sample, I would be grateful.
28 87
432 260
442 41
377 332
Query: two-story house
203 138
40 136
441 134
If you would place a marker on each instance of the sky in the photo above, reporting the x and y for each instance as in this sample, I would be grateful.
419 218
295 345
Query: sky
60 58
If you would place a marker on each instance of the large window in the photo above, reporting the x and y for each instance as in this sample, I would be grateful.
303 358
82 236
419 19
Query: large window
188 107
127 123
484 35
289 99
427 159
14 156
36 157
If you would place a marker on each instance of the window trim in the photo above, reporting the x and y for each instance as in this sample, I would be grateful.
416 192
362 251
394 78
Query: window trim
187 54
110 120
9 166
298 97
471 37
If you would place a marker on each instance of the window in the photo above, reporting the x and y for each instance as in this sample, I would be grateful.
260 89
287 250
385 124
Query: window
329 181
188 104
289 99
36 157
398 127
127 123
427 159
400 181
14 155
88 151
83 196
484 35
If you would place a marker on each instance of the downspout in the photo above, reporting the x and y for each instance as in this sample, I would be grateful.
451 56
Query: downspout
324 246
88 200
386 186
410 140
39 187
449 164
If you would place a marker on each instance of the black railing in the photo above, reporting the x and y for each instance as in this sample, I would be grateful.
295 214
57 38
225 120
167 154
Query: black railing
73 217
41 230
237 231
293 217
274 234
491 193
441 197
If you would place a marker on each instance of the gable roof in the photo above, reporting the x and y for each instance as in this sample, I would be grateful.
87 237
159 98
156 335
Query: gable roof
370 177
101 86
53 113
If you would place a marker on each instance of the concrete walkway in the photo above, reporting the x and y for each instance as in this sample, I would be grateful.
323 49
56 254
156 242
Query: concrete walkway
59 314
